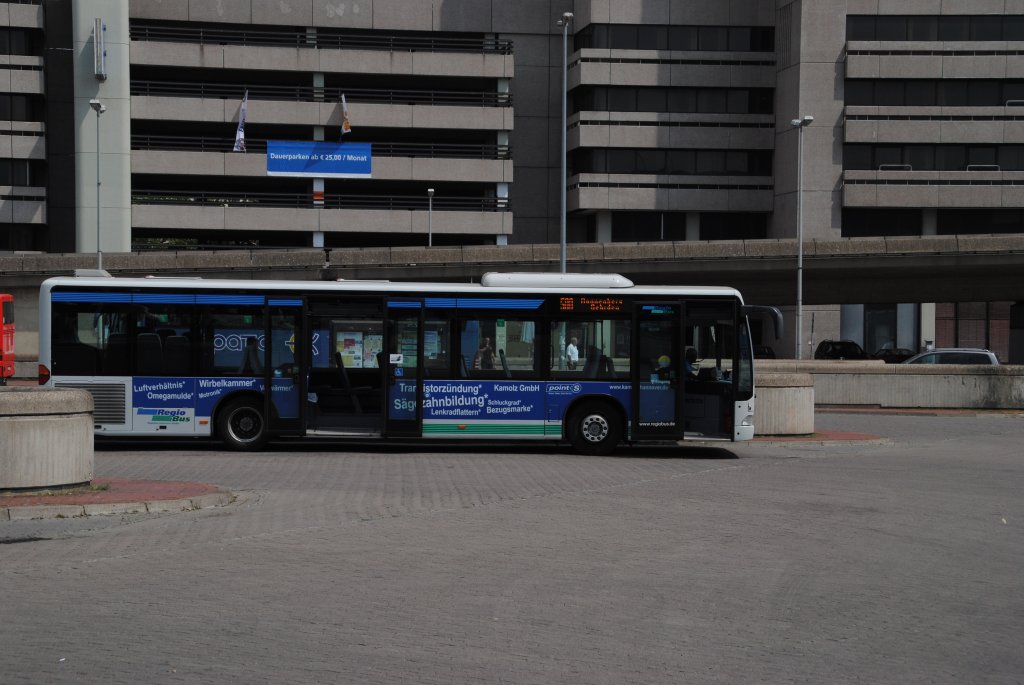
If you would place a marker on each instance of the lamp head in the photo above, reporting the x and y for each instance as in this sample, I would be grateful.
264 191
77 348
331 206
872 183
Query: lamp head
566 18
430 192
97 106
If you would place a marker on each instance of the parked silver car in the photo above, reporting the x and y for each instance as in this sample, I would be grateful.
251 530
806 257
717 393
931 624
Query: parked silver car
955 355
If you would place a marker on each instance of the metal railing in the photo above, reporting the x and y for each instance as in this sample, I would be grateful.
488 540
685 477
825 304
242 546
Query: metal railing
384 149
305 200
314 94
318 38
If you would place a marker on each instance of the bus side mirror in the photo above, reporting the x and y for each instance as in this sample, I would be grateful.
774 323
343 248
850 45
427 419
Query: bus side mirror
749 310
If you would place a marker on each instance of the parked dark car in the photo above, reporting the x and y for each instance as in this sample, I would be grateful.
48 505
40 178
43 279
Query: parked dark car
840 349
894 356
763 352
955 355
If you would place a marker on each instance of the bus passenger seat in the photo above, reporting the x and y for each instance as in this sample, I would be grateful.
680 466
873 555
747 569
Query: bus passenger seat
176 352
149 355
115 357
504 364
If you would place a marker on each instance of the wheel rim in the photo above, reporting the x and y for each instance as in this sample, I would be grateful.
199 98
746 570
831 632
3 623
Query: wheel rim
245 425
594 428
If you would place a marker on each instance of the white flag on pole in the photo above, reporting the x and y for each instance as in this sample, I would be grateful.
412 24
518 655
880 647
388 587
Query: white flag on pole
240 133
345 126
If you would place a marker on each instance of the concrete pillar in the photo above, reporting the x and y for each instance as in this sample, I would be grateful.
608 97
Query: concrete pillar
318 183
851 323
906 325
692 226
929 221
810 37
927 325
604 227
115 174
318 86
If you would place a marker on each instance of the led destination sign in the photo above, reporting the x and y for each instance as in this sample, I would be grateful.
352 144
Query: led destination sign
590 303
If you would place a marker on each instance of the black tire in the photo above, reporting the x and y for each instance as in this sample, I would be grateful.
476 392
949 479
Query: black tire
241 426
595 428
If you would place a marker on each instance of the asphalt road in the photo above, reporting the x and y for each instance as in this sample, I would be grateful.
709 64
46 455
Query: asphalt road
866 563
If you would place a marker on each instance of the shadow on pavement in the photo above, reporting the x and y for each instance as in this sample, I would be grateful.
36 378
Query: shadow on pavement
665 451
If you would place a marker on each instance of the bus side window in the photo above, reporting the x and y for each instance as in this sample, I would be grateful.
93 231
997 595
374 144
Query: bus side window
590 349
82 339
227 331
163 334
437 348
499 347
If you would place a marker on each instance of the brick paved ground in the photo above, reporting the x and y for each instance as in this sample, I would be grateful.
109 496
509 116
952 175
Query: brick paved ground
776 563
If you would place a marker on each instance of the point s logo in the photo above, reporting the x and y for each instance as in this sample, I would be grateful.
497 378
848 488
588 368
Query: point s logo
560 388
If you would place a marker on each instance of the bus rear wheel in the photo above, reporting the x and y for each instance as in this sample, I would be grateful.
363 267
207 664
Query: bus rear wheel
595 429
242 427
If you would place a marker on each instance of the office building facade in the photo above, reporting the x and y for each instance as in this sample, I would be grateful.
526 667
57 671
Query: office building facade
679 127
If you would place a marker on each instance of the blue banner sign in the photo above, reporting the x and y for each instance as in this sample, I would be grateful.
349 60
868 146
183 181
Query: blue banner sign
320 160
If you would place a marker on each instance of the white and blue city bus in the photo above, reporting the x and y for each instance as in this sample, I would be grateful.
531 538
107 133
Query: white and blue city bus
245 361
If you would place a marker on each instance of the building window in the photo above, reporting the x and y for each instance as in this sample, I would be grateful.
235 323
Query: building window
938 157
690 38
26 42
974 324
648 226
678 162
15 107
931 93
733 225
871 222
985 27
676 100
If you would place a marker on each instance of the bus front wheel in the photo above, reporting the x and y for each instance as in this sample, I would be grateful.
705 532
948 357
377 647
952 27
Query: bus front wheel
595 429
241 426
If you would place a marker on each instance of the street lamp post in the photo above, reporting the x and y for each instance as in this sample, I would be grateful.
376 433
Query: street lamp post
564 23
430 217
800 125
99 108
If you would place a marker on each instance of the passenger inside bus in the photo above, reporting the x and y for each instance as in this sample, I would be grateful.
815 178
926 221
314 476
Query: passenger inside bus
692 364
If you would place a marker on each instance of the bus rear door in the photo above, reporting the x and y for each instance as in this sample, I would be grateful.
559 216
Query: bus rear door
285 406
403 415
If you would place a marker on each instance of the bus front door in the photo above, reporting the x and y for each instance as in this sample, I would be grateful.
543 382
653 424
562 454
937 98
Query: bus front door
657 375
403 380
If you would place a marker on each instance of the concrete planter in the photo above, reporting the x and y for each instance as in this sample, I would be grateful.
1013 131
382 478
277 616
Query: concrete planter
46 437
946 386
785 404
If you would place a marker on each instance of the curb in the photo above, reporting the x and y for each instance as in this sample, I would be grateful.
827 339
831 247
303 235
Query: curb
51 511
872 440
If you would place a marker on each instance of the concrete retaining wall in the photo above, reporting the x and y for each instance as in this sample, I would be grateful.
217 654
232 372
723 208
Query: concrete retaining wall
949 386
46 437
785 404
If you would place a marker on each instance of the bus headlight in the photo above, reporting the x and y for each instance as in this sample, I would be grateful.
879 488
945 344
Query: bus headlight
748 420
